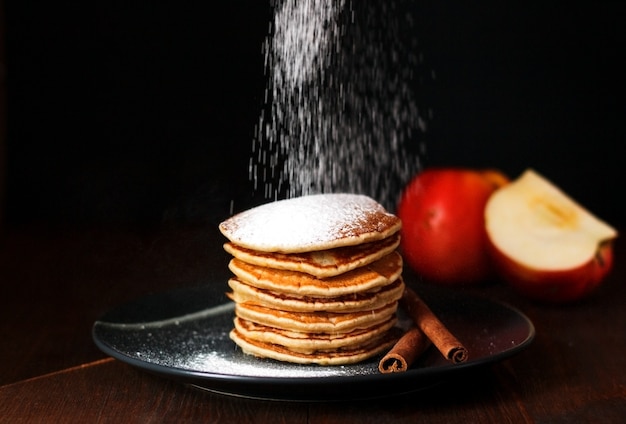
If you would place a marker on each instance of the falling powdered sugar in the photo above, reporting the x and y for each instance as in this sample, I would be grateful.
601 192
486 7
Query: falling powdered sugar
339 112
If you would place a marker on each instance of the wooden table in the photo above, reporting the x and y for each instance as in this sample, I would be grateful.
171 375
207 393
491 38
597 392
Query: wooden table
56 283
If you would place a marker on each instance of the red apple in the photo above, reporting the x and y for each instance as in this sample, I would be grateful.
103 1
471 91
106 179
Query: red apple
544 244
443 227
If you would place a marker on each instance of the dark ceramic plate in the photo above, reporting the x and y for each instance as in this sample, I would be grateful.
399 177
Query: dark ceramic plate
183 335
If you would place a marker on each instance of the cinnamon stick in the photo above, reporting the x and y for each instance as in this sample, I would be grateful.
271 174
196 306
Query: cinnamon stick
410 346
433 328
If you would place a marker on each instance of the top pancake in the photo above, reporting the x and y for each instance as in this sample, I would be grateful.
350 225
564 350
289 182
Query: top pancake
311 223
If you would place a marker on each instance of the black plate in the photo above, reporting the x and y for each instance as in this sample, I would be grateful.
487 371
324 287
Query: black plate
183 335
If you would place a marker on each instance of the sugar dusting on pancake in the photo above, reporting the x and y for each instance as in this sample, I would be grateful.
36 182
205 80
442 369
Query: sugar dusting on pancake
311 223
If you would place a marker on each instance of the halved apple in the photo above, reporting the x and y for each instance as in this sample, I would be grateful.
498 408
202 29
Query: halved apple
545 244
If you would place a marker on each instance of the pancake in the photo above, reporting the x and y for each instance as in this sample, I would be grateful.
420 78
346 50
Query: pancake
361 301
311 223
317 279
322 264
314 322
340 356
310 342
377 274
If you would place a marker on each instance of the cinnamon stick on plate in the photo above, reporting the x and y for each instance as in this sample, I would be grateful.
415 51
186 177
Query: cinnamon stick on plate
433 328
410 346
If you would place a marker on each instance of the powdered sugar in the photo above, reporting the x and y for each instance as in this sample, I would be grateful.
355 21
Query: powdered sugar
309 223
340 113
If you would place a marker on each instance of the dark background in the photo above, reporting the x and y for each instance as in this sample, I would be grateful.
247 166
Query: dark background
144 113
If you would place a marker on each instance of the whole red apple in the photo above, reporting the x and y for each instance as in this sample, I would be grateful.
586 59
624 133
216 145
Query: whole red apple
443 224
544 244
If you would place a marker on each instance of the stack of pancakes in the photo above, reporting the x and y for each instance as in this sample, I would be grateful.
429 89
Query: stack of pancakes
317 279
